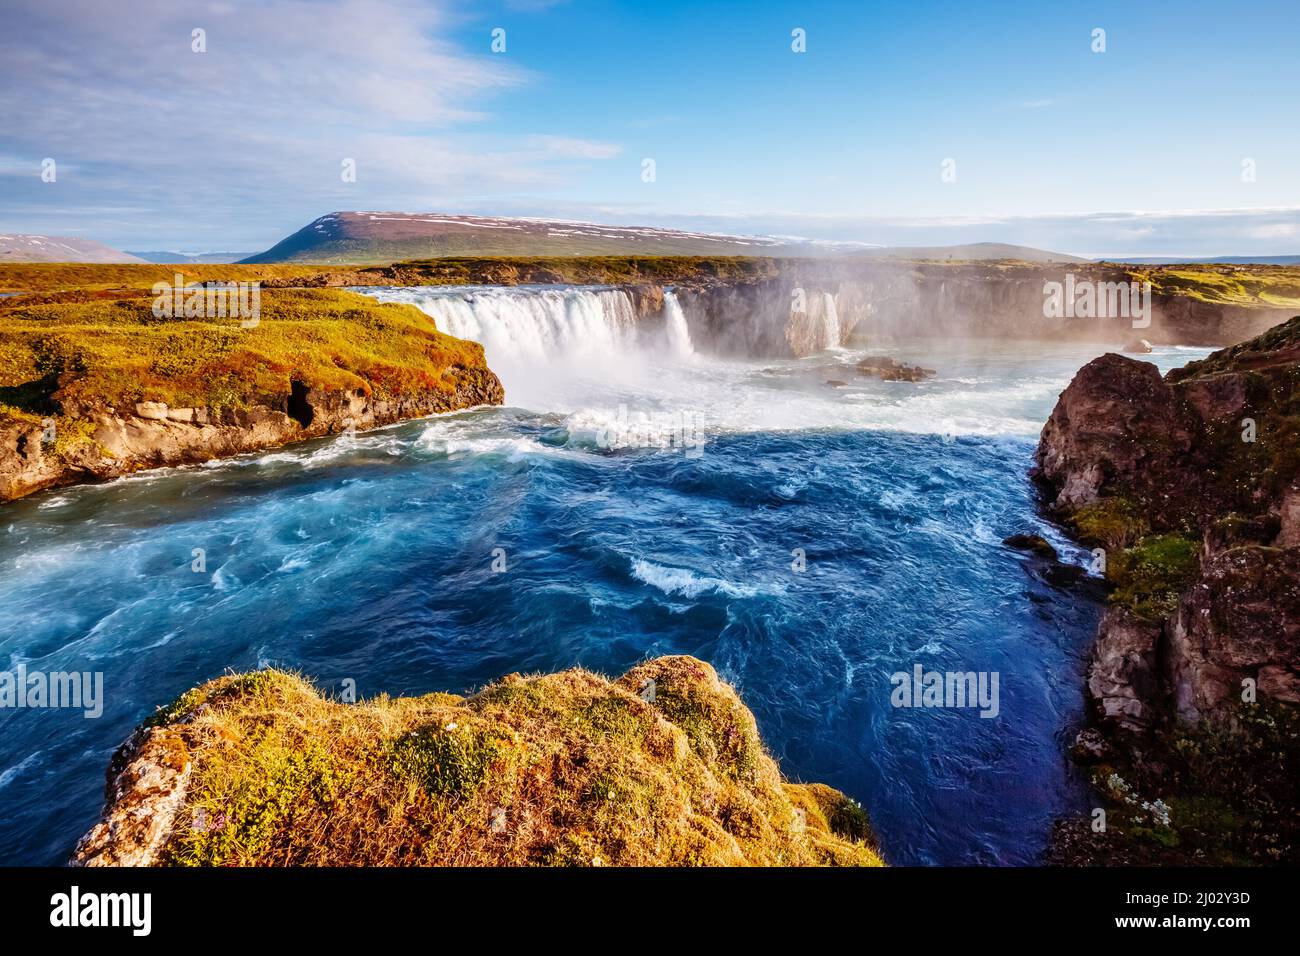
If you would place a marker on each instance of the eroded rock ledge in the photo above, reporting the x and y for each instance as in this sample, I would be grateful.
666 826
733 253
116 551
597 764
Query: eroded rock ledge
663 766
152 435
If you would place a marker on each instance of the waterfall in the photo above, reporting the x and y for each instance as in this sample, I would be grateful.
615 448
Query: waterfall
679 336
830 321
529 325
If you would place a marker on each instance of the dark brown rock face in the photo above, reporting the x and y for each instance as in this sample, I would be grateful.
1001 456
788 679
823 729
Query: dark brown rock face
1117 426
1207 452
891 370
1241 621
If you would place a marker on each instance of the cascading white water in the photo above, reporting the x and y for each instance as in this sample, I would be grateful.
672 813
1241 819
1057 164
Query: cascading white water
582 353
548 345
531 325
830 321
679 336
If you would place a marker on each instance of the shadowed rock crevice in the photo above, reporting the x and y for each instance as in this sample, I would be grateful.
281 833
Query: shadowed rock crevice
300 409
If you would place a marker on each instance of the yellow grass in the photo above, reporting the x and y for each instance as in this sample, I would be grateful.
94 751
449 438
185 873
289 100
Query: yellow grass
562 769
113 352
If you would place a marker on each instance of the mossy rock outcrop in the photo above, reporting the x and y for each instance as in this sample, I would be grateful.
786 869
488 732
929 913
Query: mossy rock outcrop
662 767
1188 484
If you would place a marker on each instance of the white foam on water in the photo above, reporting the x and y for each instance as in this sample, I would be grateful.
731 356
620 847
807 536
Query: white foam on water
12 772
684 583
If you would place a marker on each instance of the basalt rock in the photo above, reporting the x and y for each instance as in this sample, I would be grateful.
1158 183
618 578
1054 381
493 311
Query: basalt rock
1207 453
1033 543
1239 623
1123 672
147 783
1117 428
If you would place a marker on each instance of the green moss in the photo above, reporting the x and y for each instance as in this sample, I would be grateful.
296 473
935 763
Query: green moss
719 732
70 435
261 684
177 709
283 784
1229 792
84 281
9 415
1250 766
848 819
450 761
1226 284
1149 577
80 283
565 768
619 719
1113 523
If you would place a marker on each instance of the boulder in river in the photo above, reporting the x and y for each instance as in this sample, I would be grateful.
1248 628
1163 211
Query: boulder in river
891 370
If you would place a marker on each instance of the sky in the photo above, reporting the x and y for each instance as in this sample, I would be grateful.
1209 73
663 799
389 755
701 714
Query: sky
898 123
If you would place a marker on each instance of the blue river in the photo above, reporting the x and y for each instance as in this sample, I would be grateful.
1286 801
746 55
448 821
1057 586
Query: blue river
816 541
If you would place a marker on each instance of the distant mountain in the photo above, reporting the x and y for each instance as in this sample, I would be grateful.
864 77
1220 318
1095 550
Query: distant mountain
21 248
383 237
189 258
1218 260
976 250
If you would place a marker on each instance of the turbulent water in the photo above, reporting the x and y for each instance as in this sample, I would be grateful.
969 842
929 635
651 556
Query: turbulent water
634 499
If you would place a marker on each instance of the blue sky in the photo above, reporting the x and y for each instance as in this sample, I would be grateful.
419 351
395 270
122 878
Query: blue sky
1137 150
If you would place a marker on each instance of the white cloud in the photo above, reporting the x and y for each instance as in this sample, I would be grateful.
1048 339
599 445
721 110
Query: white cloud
249 136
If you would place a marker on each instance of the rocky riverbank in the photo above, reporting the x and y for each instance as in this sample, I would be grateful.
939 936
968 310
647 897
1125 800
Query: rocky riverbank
663 766
100 388
1188 487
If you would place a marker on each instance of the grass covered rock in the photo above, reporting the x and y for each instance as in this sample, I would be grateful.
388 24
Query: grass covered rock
662 767
95 386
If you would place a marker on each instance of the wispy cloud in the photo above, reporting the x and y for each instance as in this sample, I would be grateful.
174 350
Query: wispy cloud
253 131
